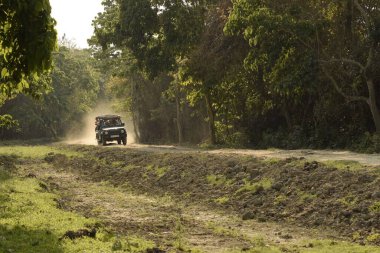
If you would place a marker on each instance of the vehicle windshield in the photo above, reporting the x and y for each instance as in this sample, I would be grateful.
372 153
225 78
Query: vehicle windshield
112 122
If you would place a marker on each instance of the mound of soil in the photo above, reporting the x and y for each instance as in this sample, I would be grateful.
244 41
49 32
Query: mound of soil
309 194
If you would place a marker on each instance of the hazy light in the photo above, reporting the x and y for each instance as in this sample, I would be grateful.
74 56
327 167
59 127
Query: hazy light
74 18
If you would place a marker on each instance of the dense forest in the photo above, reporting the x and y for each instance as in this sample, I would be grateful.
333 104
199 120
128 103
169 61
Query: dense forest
240 73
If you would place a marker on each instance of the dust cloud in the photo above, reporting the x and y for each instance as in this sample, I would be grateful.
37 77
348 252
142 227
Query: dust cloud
85 132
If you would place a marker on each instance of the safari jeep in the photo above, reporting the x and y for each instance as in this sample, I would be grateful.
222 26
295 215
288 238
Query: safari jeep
110 128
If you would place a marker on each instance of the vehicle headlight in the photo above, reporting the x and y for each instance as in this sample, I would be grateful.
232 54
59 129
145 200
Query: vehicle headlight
122 131
106 132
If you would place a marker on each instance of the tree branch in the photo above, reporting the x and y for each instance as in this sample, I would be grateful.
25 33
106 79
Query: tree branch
340 91
350 61
370 57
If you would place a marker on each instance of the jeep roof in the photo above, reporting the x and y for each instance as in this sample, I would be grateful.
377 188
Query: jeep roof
107 117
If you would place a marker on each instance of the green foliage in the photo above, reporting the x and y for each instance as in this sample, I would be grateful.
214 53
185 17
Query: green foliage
7 122
244 73
27 39
369 143
75 88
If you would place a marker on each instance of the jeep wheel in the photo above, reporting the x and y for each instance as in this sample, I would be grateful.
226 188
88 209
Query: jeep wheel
124 141
104 142
119 141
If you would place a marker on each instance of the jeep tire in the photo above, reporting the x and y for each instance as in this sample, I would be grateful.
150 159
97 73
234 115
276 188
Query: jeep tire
124 140
119 141
104 142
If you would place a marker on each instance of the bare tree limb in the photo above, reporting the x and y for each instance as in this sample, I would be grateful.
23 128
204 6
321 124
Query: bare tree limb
349 61
371 55
340 91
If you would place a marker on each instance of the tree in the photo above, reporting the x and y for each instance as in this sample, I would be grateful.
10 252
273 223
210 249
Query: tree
157 33
355 63
211 61
74 91
27 39
281 52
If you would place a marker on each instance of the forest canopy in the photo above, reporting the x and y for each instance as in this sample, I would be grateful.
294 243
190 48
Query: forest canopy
241 73
247 72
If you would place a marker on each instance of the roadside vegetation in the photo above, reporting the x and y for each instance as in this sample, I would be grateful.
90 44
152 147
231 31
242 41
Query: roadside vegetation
32 220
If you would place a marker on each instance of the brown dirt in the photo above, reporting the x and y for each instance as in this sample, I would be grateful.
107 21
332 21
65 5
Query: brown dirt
161 219
301 193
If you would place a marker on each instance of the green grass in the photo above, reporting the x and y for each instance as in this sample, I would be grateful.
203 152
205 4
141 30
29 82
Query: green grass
218 180
305 196
349 200
345 164
280 199
156 170
327 246
271 161
220 230
263 184
222 200
35 151
161 171
375 207
30 222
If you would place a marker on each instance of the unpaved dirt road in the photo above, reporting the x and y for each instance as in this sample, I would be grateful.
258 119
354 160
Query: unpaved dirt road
317 155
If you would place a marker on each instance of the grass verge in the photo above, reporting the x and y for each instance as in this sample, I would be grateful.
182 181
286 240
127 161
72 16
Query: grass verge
31 222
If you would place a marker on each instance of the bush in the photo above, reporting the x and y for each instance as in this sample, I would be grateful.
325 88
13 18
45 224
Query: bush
238 140
368 143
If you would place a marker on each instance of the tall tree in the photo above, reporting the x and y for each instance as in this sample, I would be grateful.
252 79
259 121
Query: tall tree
355 74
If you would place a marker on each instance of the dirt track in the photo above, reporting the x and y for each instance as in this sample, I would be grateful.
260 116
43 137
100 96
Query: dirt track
316 155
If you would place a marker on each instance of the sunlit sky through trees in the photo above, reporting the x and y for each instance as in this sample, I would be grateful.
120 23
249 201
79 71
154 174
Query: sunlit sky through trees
74 18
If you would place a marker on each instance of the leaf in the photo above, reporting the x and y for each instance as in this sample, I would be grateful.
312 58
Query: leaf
25 84
4 73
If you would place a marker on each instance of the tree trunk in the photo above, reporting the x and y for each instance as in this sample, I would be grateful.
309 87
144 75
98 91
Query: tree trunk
179 116
134 118
135 130
286 115
372 104
211 118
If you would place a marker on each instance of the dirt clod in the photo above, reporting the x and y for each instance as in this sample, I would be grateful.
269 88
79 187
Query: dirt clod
248 216
155 250
311 166
79 234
